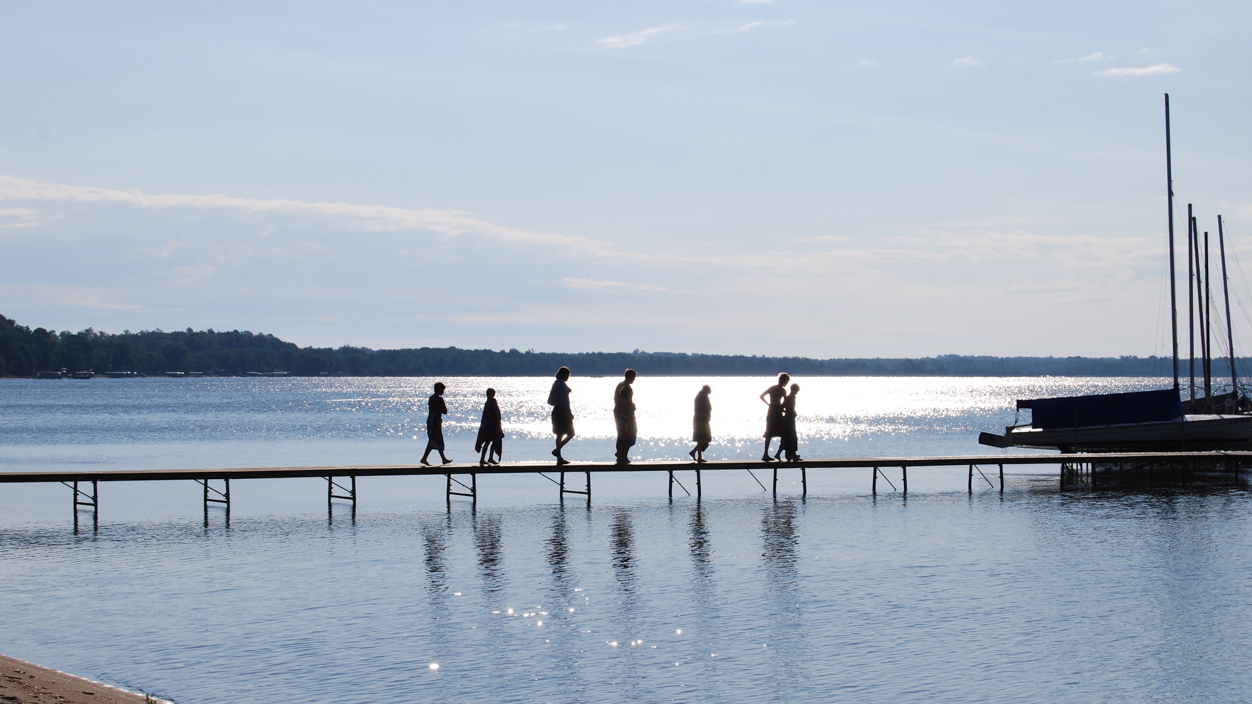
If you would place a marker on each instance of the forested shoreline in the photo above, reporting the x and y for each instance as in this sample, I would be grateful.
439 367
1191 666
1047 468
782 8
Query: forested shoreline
25 351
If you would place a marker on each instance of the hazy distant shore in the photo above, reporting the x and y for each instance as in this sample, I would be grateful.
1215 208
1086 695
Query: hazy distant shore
25 351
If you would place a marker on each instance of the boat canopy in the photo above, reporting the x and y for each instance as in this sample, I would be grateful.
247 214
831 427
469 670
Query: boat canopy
1102 409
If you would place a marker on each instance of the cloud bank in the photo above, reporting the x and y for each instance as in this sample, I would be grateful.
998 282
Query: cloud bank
1155 70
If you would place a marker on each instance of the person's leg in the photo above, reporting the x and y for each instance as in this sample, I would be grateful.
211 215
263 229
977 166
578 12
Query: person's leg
426 454
766 457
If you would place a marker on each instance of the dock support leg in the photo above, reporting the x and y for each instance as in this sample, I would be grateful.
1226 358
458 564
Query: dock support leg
587 492
82 498
804 482
969 484
775 482
905 472
331 485
1001 478
699 490
671 485
471 489
874 489
213 496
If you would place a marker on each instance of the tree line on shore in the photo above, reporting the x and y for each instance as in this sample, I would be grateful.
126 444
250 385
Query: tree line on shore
24 351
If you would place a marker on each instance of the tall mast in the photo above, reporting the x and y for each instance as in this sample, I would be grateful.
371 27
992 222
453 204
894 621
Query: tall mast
1173 283
1199 290
1230 324
1208 326
1190 306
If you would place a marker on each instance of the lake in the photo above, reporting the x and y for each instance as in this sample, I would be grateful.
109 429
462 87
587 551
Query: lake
1030 595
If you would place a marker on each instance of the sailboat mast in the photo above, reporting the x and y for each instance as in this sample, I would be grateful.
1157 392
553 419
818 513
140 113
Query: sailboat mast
1230 324
1208 326
1199 291
1173 282
1190 306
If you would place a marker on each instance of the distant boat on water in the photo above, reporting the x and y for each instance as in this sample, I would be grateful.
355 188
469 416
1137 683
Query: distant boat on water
1151 421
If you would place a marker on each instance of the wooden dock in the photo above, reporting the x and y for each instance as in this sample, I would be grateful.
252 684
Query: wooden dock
341 479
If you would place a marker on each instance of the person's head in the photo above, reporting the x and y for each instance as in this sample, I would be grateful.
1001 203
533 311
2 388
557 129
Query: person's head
783 379
795 388
563 373
491 393
439 387
707 389
630 375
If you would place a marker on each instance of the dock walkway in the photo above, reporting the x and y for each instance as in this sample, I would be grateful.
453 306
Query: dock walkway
341 479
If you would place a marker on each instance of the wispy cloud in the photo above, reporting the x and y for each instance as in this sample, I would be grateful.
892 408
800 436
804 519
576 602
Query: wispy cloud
826 239
450 223
601 285
967 62
753 25
621 41
1155 70
17 217
755 2
867 62
1080 60
92 298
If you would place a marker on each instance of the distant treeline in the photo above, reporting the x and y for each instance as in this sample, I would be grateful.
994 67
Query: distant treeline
24 351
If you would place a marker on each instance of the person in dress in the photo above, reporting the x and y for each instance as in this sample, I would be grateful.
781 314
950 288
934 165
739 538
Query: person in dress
434 425
701 429
789 442
624 414
774 416
562 416
490 440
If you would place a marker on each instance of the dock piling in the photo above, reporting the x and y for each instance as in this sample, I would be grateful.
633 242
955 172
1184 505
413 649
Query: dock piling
586 493
82 498
471 489
331 485
212 495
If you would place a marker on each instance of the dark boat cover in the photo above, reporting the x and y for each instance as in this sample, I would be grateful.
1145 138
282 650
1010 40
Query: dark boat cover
1103 409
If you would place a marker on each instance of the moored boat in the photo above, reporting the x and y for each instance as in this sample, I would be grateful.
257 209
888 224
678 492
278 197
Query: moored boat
1152 421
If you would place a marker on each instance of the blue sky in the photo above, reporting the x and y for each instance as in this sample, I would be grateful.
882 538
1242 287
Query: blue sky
819 179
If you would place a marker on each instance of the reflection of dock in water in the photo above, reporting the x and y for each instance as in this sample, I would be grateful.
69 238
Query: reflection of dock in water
1076 469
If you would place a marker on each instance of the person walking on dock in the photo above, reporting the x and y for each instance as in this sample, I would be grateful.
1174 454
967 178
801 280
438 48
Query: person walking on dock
701 429
789 442
774 416
434 425
624 414
562 416
490 432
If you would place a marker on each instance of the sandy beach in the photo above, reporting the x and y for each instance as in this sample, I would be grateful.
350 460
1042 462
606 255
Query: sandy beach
27 683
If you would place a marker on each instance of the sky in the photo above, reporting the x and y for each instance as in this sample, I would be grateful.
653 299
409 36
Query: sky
819 179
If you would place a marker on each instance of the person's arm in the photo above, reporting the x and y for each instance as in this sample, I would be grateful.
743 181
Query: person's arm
762 397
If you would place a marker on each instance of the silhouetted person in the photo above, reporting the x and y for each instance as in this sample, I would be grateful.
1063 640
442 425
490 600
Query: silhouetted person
434 425
490 442
562 416
774 416
624 414
789 442
701 429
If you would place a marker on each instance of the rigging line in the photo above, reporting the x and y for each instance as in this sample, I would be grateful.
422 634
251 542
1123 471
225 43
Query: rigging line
1243 279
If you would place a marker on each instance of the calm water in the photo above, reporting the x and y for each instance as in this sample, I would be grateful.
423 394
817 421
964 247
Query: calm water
1032 595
